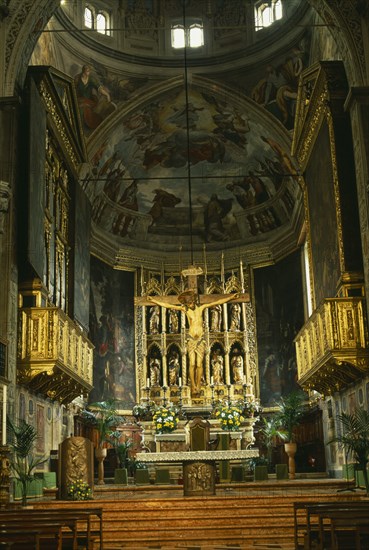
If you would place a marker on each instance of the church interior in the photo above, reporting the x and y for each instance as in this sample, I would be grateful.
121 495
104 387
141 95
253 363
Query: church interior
180 333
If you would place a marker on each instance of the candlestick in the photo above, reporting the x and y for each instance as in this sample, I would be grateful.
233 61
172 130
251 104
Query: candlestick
4 415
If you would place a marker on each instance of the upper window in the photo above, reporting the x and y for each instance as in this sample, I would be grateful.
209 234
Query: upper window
190 37
97 20
266 13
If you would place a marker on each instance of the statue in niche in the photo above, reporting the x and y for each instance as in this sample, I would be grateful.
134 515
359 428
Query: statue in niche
235 317
216 318
196 345
237 367
155 368
217 364
173 367
173 321
154 319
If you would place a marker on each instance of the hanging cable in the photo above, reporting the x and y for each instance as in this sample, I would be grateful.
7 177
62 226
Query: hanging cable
187 132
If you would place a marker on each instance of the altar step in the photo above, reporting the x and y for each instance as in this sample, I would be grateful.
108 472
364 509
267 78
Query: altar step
166 522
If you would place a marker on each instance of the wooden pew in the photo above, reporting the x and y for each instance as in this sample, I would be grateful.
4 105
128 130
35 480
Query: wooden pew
312 526
49 533
10 538
70 517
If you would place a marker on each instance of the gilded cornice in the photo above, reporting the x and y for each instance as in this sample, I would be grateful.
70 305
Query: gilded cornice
189 456
59 124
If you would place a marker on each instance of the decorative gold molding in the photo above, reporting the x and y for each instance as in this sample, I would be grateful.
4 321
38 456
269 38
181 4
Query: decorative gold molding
332 347
197 455
55 357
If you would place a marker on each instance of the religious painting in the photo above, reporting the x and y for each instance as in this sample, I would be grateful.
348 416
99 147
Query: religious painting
243 181
36 171
279 316
82 257
112 333
322 218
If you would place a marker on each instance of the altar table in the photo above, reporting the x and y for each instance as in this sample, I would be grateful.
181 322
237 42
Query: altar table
198 466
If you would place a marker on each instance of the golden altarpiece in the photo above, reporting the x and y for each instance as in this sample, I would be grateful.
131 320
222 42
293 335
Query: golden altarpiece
163 369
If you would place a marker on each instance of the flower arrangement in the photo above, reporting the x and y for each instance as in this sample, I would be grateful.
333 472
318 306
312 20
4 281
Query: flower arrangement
230 416
79 490
142 412
165 419
251 408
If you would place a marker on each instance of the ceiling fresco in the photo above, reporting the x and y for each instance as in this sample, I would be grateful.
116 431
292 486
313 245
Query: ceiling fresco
186 164
229 165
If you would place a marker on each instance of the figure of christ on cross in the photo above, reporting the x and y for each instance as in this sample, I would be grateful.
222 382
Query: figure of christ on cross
193 305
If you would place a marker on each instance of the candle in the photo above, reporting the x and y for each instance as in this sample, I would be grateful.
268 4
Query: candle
205 263
241 276
212 380
148 382
180 381
222 278
4 416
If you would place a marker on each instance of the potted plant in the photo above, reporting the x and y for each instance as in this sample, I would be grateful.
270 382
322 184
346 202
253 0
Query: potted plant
121 452
355 439
269 432
23 462
291 409
103 416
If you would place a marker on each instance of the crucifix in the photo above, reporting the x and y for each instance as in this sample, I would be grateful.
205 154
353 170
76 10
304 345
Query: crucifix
193 304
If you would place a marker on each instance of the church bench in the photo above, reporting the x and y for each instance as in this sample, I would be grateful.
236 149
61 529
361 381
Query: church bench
49 532
71 518
12 538
311 524
346 530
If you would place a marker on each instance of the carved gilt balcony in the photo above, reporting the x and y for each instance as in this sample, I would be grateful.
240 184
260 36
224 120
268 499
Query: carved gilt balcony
55 358
332 347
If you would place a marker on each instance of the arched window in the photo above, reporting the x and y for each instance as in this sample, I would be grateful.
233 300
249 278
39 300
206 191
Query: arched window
178 37
190 37
102 23
88 18
97 20
266 13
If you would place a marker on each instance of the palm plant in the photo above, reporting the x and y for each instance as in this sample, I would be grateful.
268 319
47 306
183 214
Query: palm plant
103 416
355 439
270 431
121 448
291 410
22 462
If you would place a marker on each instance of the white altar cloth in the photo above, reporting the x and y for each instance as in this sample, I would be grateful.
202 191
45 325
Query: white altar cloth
201 456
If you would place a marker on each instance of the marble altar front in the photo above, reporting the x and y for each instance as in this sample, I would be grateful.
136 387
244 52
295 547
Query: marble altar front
199 467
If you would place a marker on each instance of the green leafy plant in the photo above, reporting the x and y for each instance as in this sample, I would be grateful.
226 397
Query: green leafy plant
23 462
229 416
103 416
291 409
355 439
269 432
165 419
121 448
79 490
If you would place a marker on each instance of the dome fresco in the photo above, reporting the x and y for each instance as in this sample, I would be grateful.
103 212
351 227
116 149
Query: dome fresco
188 145
242 183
